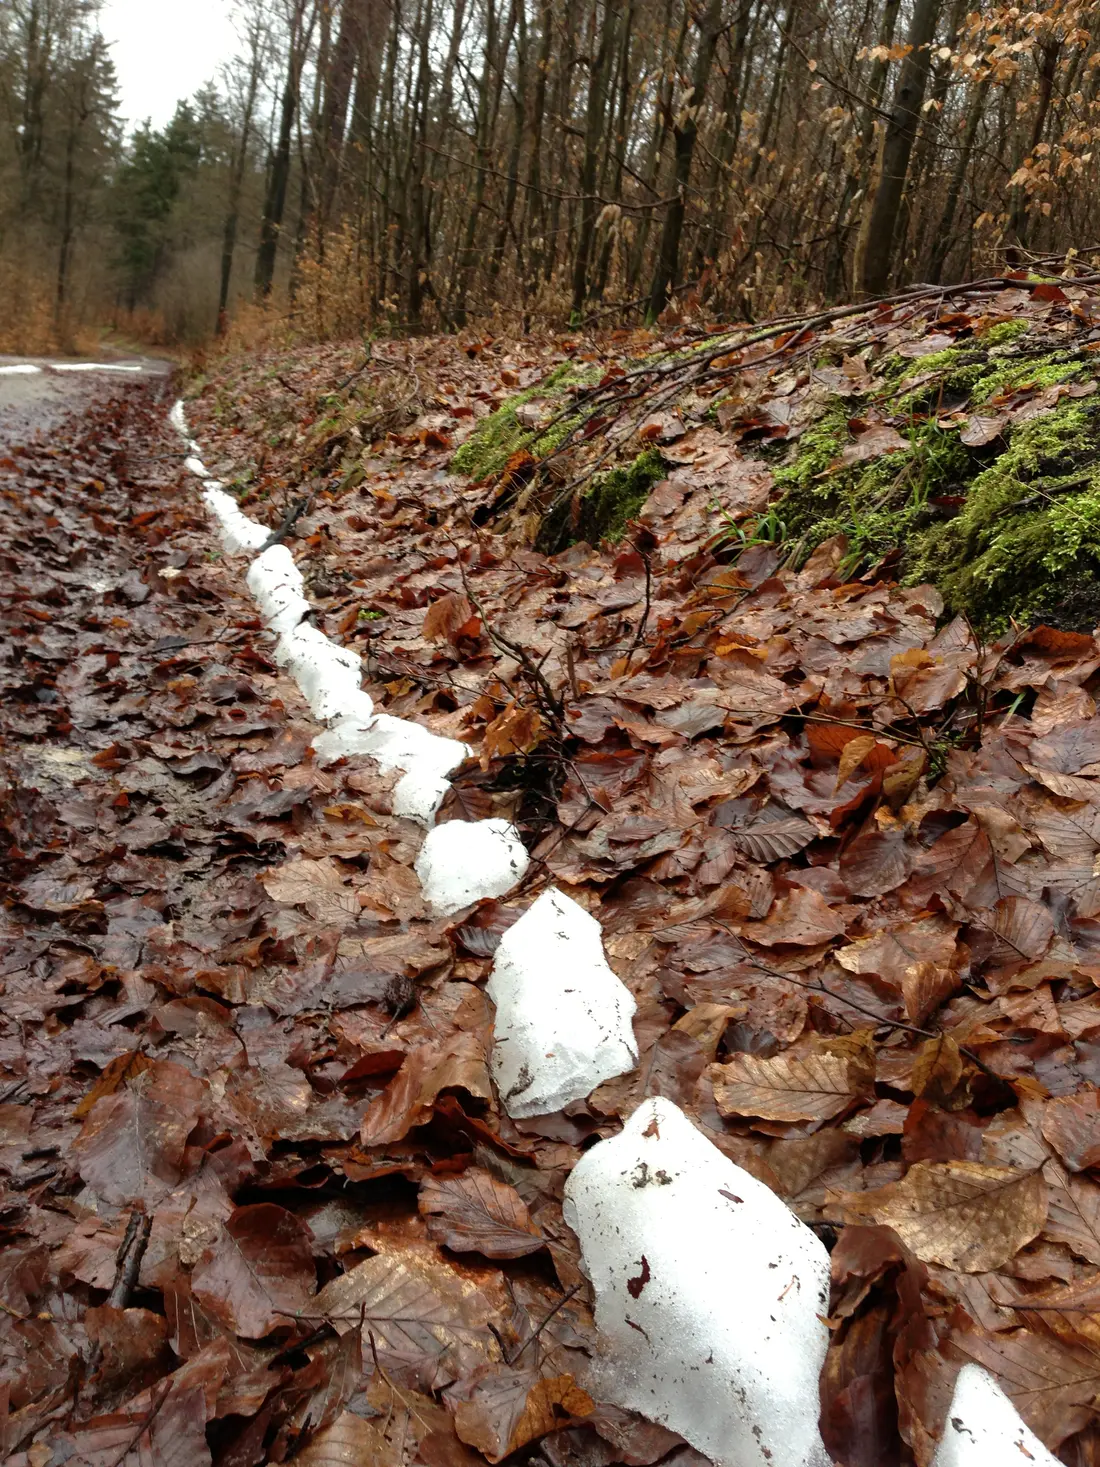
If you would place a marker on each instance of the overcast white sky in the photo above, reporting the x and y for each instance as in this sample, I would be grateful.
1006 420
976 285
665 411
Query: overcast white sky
164 50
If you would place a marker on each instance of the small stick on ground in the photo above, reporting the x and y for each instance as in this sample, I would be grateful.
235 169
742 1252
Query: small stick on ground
290 519
565 1298
128 1259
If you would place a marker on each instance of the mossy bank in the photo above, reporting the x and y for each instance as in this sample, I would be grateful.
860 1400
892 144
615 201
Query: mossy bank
992 491
1007 527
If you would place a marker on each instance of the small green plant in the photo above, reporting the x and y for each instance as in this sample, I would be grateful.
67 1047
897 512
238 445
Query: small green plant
770 530
368 614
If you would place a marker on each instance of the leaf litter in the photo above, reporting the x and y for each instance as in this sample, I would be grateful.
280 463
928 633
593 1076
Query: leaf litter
260 1200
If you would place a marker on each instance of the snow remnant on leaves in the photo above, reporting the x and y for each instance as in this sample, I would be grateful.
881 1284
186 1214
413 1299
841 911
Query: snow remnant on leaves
329 676
396 743
563 1017
239 533
277 584
462 862
983 1427
709 1293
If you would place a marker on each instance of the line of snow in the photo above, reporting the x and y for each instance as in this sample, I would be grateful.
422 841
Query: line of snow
710 1292
32 369
97 367
330 677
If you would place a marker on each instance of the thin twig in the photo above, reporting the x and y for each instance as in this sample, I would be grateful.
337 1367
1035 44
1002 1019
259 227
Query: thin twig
647 560
553 706
881 1019
565 1298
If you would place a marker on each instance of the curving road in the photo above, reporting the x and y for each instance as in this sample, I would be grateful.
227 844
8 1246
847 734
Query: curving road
37 392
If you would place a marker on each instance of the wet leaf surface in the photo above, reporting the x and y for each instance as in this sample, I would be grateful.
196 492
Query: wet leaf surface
862 937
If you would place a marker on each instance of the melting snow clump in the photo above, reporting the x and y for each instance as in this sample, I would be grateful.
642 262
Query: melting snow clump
239 533
984 1429
563 1018
328 675
463 862
394 743
708 1293
20 369
276 582
197 467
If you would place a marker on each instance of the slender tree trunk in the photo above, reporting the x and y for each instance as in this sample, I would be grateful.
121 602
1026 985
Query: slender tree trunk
535 209
859 177
897 148
279 180
418 164
1017 224
505 227
66 226
595 124
236 187
717 190
620 139
944 239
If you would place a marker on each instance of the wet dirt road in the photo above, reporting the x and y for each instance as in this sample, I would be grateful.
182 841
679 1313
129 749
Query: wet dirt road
37 393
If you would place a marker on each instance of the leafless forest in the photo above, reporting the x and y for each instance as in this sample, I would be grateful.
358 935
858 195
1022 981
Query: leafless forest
394 164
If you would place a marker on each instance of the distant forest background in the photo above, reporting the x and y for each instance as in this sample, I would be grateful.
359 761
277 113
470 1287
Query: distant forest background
373 165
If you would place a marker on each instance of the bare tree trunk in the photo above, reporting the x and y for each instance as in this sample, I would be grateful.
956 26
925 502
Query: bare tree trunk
279 180
595 124
418 163
897 148
860 177
1017 223
334 109
717 190
535 210
944 240
519 113
240 163
685 131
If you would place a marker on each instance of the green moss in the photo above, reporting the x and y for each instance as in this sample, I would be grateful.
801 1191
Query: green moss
606 508
1030 512
1029 517
496 438
1002 332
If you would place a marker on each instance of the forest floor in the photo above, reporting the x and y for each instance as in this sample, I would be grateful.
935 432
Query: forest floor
842 841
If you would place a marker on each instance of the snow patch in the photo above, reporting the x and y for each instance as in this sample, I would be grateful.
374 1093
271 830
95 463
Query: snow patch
20 369
984 1429
97 367
178 418
197 467
328 675
463 862
239 532
277 584
708 1292
563 1017
394 743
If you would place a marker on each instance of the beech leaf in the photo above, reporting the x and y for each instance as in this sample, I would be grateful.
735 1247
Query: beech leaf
476 1213
960 1214
261 1273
